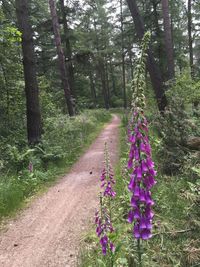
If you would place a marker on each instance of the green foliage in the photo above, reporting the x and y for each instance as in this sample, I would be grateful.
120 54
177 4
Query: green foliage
65 145
11 80
91 254
176 196
116 102
18 160
9 34
187 88
63 141
96 41
174 130
176 223
177 125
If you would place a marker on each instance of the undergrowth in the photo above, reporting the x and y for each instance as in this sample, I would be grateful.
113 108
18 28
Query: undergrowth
175 241
24 170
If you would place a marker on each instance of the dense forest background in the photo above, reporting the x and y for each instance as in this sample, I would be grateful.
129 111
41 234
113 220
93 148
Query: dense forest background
100 43
65 67
76 56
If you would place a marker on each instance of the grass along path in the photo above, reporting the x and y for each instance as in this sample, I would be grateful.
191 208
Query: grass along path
48 233
64 141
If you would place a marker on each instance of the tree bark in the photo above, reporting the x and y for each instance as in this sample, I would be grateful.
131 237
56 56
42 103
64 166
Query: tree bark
190 39
33 113
61 59
6 87
68 51
103 82
112 77
152 67
158 32
101 69
107 83
102 75
123 56
92 87
130 58
168 39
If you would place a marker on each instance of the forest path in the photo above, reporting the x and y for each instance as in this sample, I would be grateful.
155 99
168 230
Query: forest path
49 231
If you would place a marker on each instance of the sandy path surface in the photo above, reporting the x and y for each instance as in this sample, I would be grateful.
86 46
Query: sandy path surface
49 231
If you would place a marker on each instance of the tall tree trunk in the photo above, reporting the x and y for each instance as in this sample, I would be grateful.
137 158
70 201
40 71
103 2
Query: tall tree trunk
123 56
160 49
6 87
61 59
107 83
190 39
34 127
104 86
168 39
101 71
68 53
130 57
92 87
112 77
153 69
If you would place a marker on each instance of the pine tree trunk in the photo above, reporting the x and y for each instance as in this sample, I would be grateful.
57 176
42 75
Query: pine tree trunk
130 58
61 59
101 69
102 74
158 32
34 127
123 57
153 69
104 87
107 83
190 40
168 39
112 77
68 52
92 87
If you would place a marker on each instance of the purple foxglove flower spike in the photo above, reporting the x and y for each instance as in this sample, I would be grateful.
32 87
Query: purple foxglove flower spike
142 179
112 247
103 219
131 184
130 216
140 162
136 231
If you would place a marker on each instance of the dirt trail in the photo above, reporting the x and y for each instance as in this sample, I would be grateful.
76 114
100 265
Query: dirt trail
48 233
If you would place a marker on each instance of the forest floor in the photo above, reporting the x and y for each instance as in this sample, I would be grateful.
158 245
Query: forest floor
49 231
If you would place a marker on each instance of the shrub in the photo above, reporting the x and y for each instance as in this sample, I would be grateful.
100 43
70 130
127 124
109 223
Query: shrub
174 129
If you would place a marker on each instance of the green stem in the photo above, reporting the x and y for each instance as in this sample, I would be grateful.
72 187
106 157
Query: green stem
111 260
139 253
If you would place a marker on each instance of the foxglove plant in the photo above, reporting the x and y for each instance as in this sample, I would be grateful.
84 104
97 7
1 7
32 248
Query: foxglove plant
104 226
140 164
103 218
107 176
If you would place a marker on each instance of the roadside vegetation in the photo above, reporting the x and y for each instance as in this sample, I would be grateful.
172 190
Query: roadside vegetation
175 240
176 225
25 170
65 67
